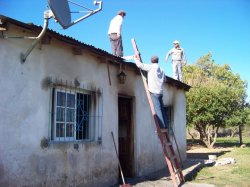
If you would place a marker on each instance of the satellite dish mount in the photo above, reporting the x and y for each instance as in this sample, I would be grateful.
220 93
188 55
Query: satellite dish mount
47 16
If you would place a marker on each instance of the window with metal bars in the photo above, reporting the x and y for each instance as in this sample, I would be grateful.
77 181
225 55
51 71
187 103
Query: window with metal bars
76 114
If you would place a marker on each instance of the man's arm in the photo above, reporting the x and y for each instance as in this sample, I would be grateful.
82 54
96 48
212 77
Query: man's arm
168 54
139 64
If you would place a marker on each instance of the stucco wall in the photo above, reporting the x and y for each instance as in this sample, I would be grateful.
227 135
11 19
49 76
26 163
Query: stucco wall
24 115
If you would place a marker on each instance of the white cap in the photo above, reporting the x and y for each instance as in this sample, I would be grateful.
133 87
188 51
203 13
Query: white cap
176 42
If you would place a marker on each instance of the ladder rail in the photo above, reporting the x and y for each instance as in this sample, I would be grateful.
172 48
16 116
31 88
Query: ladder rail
163 139
169 149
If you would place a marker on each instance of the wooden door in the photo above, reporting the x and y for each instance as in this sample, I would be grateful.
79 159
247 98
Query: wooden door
126 136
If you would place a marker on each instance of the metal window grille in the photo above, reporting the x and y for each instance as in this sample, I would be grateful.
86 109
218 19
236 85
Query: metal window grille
170 116
75 113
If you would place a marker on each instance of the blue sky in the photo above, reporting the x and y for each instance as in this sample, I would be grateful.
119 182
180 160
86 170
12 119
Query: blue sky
221 27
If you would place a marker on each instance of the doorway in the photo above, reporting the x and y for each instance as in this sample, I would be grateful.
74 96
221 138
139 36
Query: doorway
126 135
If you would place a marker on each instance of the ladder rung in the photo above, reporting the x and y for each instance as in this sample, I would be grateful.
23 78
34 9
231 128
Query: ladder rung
172 158
164 130
177 171
168 143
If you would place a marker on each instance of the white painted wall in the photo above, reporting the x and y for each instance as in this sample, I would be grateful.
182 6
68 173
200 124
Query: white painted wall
24 116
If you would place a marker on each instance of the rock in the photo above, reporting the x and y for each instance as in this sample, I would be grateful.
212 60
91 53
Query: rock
225 161
243 146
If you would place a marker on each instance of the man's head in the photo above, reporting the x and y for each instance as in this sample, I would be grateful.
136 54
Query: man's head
176 43
121 13
154 59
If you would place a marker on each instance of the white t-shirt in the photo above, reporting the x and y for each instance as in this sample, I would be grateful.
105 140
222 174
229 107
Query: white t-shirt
156 76
116 25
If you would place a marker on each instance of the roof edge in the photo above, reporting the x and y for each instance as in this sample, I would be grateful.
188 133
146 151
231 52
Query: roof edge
72 41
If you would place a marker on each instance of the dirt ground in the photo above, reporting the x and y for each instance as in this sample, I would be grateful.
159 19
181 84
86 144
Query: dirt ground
196 155
196 151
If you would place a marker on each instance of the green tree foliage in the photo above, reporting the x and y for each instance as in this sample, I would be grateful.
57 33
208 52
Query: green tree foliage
216 99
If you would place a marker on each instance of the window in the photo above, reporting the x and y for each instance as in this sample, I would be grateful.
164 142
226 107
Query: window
170 116
76 114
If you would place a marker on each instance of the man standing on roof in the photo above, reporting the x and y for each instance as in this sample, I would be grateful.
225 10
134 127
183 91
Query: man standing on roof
156 77
114 33
178 59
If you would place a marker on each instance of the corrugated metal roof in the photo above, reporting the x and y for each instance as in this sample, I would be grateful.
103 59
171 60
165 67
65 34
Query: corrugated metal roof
72 41
65 38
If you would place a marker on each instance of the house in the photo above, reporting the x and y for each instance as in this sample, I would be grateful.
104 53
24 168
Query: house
58 109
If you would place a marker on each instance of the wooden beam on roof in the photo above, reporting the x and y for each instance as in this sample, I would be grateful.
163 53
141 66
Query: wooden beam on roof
46 40
77 51
107 62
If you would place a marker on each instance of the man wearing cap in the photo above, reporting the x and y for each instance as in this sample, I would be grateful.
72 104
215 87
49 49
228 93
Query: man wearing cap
156 77
114 33
178 59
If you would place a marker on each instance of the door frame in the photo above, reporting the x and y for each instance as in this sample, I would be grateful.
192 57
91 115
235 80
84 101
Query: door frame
131 132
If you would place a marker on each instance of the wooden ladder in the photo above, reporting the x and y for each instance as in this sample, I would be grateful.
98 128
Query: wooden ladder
167 147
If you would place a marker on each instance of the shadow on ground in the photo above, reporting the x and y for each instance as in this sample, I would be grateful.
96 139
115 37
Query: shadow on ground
196 157
202 155
162 178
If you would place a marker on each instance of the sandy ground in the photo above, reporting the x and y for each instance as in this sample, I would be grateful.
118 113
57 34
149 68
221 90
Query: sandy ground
196 155
162 178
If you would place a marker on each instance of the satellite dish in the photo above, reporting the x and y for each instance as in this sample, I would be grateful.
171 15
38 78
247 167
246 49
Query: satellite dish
61 12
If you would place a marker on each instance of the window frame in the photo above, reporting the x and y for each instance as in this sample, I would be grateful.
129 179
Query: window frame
90 127
169 111
63 138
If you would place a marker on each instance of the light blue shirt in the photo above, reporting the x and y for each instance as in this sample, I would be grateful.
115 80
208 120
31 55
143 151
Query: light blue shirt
177 54
156 76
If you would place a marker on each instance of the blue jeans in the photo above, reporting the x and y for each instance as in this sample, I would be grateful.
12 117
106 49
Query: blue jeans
159 110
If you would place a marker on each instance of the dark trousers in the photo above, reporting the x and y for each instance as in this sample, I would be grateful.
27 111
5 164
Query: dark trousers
159 110
116 44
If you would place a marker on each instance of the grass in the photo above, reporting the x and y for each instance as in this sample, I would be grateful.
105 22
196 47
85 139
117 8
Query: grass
231 141
228 175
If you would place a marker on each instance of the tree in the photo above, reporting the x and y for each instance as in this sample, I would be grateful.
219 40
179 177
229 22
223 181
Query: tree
214 98
240 118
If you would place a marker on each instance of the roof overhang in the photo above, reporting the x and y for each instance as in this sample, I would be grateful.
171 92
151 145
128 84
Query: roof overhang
76 43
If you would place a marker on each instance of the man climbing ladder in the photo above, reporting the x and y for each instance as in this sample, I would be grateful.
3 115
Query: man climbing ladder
156 78
168 150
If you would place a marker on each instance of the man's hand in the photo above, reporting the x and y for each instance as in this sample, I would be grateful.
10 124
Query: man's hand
137 56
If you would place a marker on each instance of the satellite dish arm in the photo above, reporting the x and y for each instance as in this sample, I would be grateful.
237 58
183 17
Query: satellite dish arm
87 15
47 16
